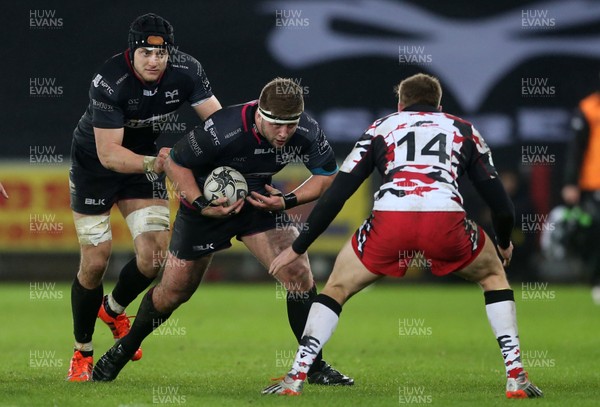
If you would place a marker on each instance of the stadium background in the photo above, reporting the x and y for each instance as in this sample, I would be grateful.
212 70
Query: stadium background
515 68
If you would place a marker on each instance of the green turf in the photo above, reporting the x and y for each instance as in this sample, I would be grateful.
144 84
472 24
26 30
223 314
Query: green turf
221 348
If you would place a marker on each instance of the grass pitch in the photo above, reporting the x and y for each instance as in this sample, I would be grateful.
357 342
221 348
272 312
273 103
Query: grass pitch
403 344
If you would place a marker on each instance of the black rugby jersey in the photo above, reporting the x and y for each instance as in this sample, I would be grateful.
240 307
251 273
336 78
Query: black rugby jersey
230 137
119 99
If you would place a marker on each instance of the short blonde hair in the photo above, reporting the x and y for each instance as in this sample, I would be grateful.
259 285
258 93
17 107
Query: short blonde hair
419 89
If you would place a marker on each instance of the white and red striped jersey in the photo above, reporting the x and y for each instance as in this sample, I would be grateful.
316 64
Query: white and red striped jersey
420 153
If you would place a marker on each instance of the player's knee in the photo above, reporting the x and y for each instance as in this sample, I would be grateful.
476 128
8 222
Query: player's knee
91 270
298 271
175 297
175 293
337 291
150 259
494 279
298 278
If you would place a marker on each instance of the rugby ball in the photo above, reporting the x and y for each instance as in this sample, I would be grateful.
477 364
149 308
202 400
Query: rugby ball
225 182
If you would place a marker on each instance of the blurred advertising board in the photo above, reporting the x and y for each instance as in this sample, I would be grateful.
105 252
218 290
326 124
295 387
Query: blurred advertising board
37 216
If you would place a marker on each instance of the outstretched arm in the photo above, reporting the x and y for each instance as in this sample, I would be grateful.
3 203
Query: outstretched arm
310 190
322 215
503 214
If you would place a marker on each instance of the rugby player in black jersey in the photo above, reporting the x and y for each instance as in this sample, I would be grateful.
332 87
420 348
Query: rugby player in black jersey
115 161
258 139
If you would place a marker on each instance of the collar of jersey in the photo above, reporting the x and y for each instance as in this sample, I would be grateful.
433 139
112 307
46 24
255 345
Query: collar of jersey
248 111
420 108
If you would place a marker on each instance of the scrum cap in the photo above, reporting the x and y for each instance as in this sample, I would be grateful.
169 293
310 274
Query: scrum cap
150 31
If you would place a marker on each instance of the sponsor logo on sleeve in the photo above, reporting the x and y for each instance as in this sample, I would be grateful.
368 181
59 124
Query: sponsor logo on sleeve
122 78
102 106
194 144
101 83
233 133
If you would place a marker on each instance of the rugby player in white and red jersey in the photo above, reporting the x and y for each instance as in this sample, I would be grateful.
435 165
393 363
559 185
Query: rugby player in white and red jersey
420 152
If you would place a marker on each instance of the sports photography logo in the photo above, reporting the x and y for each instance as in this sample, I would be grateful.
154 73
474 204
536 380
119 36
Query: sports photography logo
44 155
40 291
291 19
413 327
170 327
168 395
286 88
537 155
413 55
290 154
168 124
536 358
292 290
284 358
414 395
166 190
290 221
413 259
536 223
44 20
42 87
44 359
160 190
537 291
537 19
537 88
45 223
161 260
178 59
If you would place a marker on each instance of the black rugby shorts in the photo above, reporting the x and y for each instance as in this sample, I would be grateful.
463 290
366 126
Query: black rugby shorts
95 189
195 236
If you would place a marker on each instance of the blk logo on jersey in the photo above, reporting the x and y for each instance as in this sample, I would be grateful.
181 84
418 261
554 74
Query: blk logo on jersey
264 150
204 247
95 202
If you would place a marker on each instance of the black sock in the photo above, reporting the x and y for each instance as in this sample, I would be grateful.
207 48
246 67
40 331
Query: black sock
298 306
146 321
85 305
130 284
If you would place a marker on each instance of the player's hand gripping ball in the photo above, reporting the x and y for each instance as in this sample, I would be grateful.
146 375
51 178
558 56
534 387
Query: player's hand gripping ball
225 182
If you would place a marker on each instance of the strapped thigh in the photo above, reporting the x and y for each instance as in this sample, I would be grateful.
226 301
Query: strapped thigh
93 229
153 218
